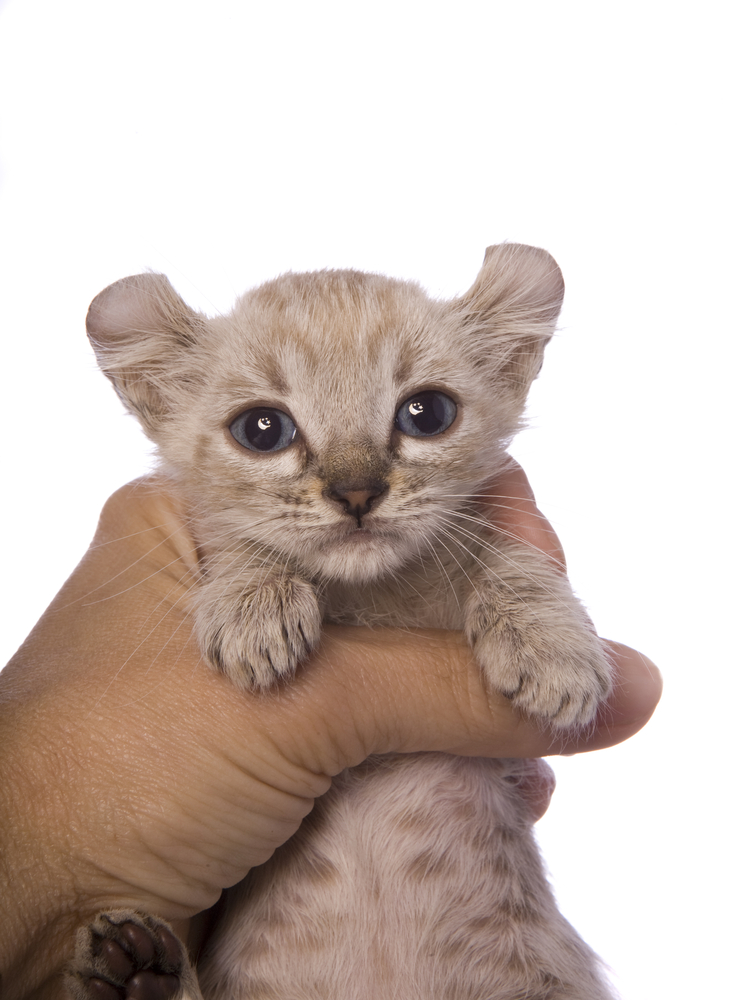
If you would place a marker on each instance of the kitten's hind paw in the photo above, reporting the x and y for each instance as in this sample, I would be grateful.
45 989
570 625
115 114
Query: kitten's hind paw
124 955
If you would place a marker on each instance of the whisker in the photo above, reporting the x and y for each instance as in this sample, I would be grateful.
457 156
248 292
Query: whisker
497 529
512 563
489 569
216 540
442 570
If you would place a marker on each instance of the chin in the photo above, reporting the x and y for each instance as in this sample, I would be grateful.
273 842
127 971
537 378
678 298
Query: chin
358 559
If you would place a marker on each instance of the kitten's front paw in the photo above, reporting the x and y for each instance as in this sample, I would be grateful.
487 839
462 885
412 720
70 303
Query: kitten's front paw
124 955
546 660
263 633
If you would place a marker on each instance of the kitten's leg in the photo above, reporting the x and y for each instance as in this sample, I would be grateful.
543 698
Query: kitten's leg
259 630
125 955
534 640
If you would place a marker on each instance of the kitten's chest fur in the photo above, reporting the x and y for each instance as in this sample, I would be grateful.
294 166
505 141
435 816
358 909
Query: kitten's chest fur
429 592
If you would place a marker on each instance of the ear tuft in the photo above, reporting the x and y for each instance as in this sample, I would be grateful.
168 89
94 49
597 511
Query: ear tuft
513 305
141 331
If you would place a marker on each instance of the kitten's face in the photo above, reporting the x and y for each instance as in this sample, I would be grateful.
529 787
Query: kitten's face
332 418
345 384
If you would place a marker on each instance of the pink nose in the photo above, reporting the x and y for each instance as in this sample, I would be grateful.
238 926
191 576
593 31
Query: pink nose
358 498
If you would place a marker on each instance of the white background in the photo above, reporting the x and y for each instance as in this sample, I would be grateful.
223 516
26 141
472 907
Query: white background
226 142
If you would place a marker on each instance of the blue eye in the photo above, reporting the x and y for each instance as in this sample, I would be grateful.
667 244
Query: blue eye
263 429
427 414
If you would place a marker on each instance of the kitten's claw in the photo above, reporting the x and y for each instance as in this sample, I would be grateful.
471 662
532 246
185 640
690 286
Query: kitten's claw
262 634
567 694
124 955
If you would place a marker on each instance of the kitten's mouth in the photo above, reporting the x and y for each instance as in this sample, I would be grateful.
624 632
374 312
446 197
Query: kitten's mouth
358 535
354 536
364 530
350 534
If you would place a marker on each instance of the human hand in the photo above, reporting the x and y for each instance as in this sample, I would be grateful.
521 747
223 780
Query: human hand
133 775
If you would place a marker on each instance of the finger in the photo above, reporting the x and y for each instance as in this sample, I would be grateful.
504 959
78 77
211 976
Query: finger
414 691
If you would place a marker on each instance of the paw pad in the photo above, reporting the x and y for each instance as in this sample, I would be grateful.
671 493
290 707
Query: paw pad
127 957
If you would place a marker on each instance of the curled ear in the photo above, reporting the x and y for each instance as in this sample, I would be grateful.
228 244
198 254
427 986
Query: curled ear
141 332
511 311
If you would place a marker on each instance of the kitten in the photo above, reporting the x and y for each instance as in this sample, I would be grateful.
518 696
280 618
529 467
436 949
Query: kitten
331 438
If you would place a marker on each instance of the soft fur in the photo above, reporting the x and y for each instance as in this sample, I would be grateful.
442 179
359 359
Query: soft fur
416 877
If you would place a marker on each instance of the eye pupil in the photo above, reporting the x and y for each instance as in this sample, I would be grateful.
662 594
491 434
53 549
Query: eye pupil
263 429
425 415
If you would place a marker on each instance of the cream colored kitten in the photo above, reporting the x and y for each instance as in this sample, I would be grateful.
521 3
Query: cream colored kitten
331 438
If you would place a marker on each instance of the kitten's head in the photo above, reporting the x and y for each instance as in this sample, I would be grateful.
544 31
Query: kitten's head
331 418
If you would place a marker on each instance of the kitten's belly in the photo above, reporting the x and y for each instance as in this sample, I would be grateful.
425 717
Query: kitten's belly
396 880
416 877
